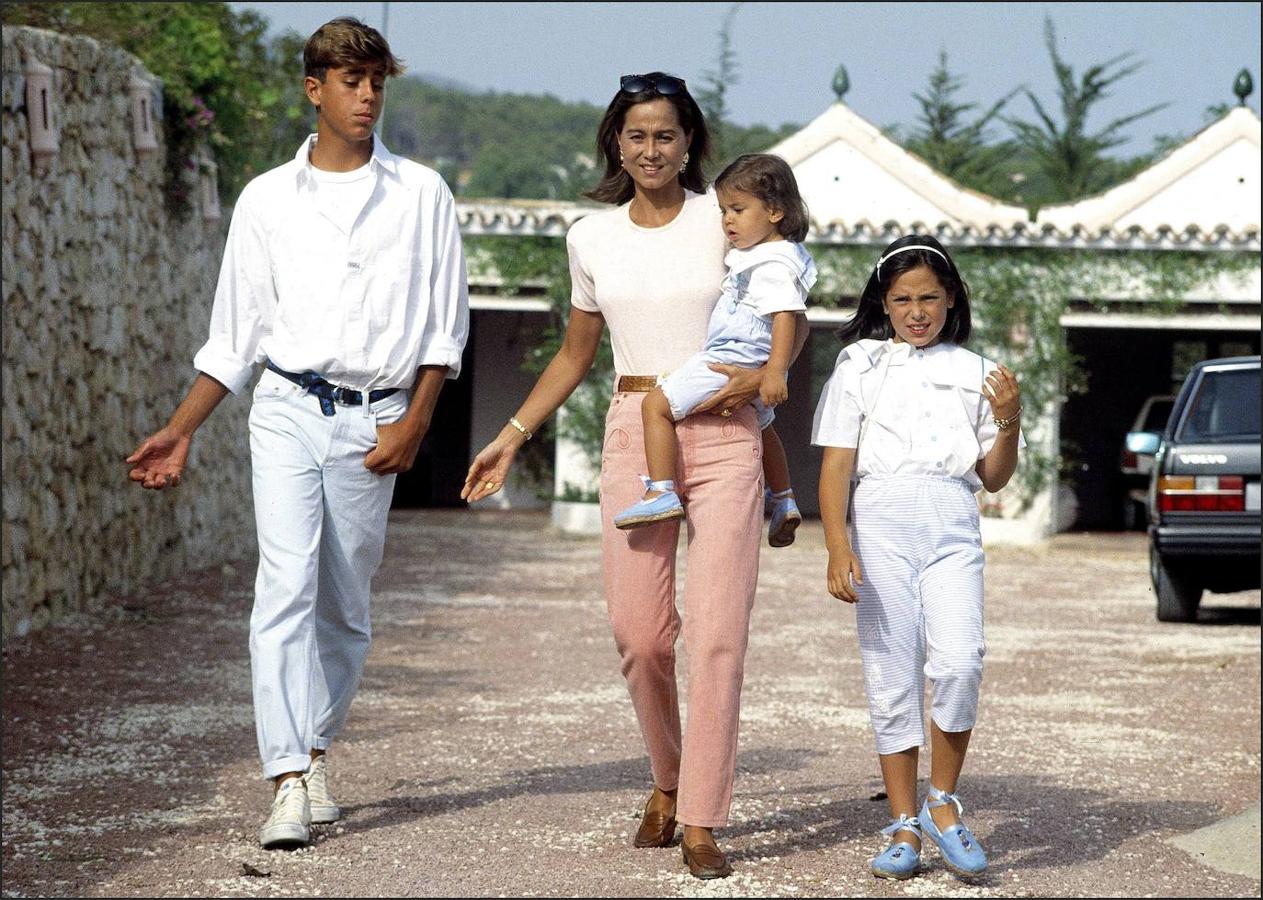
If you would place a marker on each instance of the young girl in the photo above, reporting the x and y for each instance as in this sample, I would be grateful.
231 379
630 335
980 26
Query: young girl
923 423
769 276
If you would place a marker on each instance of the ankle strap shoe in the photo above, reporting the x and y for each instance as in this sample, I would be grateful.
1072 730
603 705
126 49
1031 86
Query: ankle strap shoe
900 860
960 849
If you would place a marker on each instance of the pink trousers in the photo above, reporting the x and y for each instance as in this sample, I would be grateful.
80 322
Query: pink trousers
719 477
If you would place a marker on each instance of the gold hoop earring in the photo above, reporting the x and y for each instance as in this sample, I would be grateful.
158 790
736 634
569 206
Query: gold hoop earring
684 163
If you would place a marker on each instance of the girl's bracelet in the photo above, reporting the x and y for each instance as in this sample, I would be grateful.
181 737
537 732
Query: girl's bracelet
520 427
1005 424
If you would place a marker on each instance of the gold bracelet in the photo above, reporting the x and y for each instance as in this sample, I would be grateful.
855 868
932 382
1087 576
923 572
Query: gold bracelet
1005 424
520 427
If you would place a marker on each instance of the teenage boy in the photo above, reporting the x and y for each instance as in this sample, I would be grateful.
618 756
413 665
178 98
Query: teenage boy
343 276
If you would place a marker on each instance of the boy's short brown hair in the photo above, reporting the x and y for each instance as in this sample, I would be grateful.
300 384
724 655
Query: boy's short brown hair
346 42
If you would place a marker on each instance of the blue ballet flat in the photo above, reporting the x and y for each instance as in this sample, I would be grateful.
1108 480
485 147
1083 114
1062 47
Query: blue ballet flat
785 519
900 860
646 512
960 849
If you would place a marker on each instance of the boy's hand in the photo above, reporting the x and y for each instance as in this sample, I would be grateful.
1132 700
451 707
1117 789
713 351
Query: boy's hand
1002 392
396 449
843 565
160 459
773 391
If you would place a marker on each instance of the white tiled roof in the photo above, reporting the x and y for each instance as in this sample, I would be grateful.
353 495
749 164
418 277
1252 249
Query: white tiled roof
851 174
863 188
1207 188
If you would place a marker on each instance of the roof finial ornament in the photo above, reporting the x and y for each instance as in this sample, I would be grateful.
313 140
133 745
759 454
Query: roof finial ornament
841 82
1243 86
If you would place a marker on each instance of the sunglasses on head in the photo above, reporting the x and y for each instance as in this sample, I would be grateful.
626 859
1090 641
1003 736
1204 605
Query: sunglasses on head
664 85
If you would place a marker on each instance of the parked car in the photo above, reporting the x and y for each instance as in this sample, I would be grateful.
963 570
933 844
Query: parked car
1136 464
1204 488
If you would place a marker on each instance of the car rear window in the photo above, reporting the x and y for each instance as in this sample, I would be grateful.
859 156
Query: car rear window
1226 406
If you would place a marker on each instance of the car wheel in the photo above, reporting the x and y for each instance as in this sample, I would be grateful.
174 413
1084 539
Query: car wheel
1131 515
1178 594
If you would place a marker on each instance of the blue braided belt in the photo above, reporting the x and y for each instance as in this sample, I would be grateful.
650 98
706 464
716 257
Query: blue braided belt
328 393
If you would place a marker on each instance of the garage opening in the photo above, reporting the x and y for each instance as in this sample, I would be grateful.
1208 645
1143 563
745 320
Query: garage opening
1122 368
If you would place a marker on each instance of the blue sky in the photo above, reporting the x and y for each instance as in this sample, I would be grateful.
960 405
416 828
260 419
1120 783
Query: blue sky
786 53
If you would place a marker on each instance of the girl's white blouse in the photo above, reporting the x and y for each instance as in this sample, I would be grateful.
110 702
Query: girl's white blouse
924 408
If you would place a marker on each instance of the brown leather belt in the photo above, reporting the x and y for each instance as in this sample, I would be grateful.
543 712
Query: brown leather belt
636 384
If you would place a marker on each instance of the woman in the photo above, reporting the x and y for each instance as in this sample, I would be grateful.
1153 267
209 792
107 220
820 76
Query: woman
651 269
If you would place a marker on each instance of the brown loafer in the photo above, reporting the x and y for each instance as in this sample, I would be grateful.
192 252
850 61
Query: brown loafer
657 829
705 861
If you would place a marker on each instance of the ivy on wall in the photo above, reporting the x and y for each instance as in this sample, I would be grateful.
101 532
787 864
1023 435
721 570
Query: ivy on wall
1018 296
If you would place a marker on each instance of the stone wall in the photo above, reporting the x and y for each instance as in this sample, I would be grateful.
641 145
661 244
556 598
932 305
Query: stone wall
106 299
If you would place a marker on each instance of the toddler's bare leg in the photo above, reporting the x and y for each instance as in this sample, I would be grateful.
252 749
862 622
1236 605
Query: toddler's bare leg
659 438
775 465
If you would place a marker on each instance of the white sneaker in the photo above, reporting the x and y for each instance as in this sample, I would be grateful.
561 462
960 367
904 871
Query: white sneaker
290 820
324 809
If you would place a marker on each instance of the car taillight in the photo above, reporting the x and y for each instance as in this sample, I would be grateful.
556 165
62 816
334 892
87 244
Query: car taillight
1129 460
1201 493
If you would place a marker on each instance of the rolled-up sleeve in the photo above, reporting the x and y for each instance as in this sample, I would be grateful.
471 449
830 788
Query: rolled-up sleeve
447 325
245 299
838 414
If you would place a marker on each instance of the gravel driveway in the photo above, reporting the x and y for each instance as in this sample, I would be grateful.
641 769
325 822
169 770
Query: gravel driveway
492 749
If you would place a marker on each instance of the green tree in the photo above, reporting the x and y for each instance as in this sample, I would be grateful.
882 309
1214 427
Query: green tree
960 148
1072 160
225 85
713 96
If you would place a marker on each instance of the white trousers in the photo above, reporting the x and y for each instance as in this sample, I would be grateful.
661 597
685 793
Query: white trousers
919 613
321 521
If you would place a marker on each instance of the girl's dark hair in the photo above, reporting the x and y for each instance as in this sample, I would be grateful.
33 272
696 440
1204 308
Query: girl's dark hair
769 178
870 319
616 186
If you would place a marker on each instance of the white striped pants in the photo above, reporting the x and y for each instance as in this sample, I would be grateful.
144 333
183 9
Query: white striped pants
920 605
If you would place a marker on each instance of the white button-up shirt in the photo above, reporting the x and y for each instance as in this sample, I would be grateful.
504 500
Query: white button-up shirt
920 412
363 307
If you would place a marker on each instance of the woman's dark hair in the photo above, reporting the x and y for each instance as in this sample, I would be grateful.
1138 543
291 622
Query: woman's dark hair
616 186
870 319
769 178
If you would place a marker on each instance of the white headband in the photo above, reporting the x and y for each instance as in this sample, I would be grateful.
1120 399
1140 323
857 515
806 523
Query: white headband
909 247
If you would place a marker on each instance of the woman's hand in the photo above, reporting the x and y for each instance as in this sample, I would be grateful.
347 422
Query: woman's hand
489 469
742 387
843 566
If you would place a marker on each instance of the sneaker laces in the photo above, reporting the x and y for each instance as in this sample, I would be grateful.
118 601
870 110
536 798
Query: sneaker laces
317 781
289 799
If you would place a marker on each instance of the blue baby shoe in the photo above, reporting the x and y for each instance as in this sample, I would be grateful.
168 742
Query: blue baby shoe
785 518
961 851
900 860
645 512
